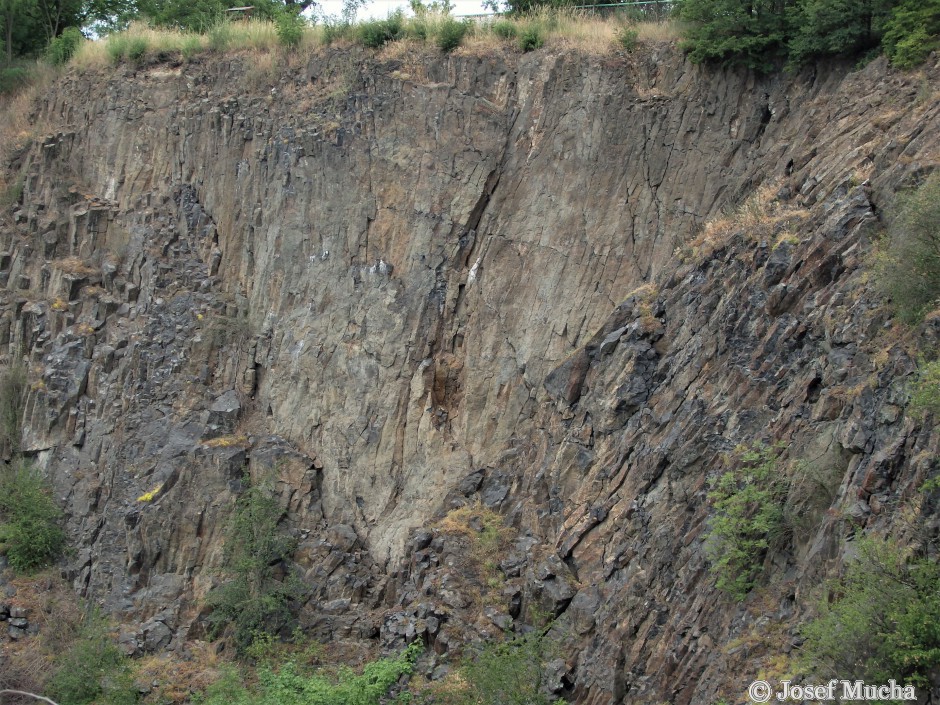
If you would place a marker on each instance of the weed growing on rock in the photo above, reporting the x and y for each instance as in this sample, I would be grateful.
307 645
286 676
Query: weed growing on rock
93 670
748 504
925 394
908 265
881 621
30 534
255 599
292 684
12 393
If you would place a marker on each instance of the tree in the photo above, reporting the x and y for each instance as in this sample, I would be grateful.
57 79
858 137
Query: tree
912 32
837 27
737 32
256 600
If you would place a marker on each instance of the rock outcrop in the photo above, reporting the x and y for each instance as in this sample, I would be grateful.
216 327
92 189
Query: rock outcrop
400 285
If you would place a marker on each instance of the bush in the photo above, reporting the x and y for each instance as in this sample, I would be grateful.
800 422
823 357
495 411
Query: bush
290 29
531 37
925 395
254 601
334 31
748 516
377 33
505 29
136 48
912 32
12 393
291 685
117 47
628 37
509 672
220 36
30 534
191 45
882 620
451 33
908 267
93 670
63 47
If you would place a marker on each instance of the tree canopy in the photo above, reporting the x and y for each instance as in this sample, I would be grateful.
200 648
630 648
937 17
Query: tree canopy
762 34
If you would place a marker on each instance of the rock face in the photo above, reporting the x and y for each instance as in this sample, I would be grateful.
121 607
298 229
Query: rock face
402 285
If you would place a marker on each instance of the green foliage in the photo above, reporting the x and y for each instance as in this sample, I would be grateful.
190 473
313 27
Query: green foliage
531 37
509 672
335 31
11 195
93 670
12 396
912 32
290 29
628 37
377 33
758 34
734 32
925 395
881 621
836 27
12 79
908 268
747 501
220 36
504 29
254 600
63 47
451 33
290 684
30 534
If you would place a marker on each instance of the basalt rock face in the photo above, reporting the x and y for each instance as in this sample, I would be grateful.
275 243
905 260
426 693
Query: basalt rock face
398 285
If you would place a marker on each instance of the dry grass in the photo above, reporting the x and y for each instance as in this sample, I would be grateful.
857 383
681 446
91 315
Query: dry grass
178 676
758 217
560 28
226 442
74 266
18 128
56 610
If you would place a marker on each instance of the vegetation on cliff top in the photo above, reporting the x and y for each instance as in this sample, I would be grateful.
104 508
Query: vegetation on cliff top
765 34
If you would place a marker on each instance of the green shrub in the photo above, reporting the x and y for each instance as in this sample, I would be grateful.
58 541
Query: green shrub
93 670
12 79
912 32
63 47
531 37
136 48
504 29
290 684
254 601
451 33
908 267
12 396
881 621
509 672
30 534
748 516
191 45
377 33
220 36
290 29
117 47
12 194
628 38
925 395
335 31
